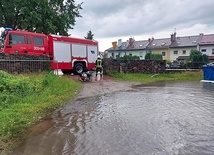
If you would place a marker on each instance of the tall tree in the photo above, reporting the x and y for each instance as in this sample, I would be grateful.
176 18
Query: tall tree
46 16
90 35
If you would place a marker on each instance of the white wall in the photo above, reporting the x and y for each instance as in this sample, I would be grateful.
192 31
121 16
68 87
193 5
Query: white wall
209 49
140 53
180 52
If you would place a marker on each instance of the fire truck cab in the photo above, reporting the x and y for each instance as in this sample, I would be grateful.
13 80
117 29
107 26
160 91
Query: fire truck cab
24 42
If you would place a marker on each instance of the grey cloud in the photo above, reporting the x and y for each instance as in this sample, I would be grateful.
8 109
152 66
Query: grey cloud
108 18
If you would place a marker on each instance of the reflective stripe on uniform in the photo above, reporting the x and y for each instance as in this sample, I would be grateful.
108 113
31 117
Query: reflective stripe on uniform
99 63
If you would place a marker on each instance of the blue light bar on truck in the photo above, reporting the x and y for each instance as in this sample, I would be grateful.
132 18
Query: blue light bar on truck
8 28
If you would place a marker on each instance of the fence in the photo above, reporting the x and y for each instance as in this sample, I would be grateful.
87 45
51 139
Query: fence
134 66
25 66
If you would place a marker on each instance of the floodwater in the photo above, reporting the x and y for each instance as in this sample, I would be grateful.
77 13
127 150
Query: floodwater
158 119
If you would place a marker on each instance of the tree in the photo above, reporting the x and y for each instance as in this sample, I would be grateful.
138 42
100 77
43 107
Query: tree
46 16
197 57
89 35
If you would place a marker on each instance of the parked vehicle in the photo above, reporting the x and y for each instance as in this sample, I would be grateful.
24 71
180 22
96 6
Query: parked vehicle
175 65
66 53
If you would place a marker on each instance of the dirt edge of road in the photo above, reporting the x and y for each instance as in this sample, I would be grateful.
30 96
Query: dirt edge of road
104 86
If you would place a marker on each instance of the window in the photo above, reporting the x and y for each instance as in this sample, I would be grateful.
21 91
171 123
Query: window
163 54
162 44
212 51
130 54
175 52
28 40
112 54
38 41
203 50
141 54
16 39
184 52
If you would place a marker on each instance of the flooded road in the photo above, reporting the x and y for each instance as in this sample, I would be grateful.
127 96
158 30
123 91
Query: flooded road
158 119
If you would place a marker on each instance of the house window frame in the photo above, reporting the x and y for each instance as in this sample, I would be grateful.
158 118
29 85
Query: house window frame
163 53
184 52
203 50
175 52
112 54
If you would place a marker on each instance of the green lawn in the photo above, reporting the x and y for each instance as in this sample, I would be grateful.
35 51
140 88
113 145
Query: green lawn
147 78
26 99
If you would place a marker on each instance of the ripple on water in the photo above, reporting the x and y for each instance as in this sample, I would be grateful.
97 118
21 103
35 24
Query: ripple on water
159 119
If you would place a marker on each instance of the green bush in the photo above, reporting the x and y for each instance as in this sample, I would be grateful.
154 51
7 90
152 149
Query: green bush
150 56
128 57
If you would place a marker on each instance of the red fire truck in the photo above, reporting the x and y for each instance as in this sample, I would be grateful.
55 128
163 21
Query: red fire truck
66 53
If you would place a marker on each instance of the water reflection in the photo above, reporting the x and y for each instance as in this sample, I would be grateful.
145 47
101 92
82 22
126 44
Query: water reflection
207 85
157 119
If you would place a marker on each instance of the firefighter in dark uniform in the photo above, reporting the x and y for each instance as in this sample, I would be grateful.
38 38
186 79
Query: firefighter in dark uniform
99 66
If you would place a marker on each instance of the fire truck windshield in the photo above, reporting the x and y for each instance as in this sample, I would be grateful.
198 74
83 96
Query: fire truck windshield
3 37
3 34
2 41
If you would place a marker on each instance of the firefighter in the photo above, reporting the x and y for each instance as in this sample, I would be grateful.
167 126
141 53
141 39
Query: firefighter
99 66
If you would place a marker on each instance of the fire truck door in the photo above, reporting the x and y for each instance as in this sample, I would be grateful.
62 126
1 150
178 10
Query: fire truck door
29 45
62 52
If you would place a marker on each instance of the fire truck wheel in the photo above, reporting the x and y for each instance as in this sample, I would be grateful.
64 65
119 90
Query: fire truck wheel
79 68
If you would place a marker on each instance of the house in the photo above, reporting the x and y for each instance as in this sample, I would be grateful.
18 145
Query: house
173 48
182 46
160 46
206 44
130 47
101 54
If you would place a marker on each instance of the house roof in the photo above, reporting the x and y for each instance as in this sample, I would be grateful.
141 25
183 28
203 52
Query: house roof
186 57
187 41
211 57
159 43
207 39
182 58
137 45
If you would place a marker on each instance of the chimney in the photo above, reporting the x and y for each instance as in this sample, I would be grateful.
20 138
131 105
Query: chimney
130 41
173 37
114 44
119 43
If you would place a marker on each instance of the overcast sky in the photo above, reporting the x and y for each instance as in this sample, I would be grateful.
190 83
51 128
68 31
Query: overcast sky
110 20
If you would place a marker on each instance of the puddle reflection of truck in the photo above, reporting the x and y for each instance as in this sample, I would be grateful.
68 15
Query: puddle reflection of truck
66 53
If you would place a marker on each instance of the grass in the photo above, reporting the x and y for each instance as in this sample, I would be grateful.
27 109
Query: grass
26 99
147 78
